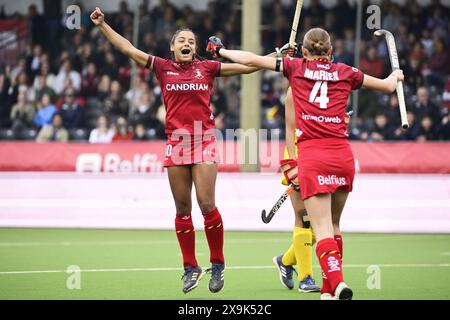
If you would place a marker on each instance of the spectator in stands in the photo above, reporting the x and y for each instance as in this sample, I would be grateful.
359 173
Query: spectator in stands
104 87
425 106
139 132
34 61
123 132
145 111
115 103
392 112
417 52
49 77
414 128
381 129
21 85
37 25
19 68
439 63
372 64
5 105
22 114
54 132
110 67
66 72
71 110
443 128
445 108
393 18
40 87
134 94
102 133
45 112
413 73
340 54
427 130
90 81
166 25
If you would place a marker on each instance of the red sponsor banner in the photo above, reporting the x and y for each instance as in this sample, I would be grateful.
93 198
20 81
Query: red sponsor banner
402 157
149 156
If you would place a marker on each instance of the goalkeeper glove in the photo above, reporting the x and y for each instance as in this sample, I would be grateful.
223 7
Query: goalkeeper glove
214 46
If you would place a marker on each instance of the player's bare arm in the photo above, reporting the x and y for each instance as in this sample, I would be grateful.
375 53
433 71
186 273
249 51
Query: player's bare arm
290 124
230 69
122 44
388 84
250 59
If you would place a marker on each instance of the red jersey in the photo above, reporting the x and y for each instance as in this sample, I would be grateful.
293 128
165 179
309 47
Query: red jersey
320 90
186 90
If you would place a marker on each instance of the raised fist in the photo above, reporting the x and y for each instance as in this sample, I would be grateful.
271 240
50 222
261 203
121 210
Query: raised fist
97 16
214 46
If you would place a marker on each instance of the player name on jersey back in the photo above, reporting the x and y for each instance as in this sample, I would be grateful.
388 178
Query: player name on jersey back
321 75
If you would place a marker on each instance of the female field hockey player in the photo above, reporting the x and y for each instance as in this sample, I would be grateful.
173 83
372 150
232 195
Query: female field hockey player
191 158
326 169
300 251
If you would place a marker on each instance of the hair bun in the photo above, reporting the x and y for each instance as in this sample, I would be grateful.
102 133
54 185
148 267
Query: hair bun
318 45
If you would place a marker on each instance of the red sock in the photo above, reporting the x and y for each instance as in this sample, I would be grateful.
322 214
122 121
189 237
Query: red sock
214 234
326 288
186 238
340 243
330 260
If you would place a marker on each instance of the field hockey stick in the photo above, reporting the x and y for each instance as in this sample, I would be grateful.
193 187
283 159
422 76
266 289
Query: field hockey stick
298 11
393 56
266 218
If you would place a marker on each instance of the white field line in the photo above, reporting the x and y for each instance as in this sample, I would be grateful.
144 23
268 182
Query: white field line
286 239
407 265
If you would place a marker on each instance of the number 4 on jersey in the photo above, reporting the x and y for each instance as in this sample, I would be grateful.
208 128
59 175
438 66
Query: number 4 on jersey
322 100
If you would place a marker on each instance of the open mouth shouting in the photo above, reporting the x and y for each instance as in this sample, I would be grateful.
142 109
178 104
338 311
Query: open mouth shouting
185 51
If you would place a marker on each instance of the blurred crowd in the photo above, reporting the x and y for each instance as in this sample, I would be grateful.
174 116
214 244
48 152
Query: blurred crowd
72 85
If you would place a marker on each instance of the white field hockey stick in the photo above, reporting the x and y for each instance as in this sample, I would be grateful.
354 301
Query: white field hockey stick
298 11
393 55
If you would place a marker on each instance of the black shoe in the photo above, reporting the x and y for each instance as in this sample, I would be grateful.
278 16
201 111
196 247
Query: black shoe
191 277
217 280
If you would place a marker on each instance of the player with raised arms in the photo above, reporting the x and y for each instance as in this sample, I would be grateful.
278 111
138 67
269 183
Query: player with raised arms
326 169
186 83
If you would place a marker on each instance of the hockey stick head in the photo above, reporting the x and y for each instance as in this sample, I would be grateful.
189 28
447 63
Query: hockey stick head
382 32
266 218
393 56
392 49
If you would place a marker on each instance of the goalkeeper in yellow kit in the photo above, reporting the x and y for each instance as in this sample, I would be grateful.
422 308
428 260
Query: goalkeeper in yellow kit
300 252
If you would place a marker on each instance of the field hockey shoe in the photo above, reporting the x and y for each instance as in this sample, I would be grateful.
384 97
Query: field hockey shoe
308 285
217 280
285 272
343 292
191 278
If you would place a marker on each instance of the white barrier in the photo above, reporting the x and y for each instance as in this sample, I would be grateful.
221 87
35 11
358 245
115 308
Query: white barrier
379 203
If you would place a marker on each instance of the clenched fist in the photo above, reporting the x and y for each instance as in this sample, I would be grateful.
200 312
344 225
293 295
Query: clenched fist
97 16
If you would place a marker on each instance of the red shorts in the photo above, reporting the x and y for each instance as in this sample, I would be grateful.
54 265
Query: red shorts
189 149
324 166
